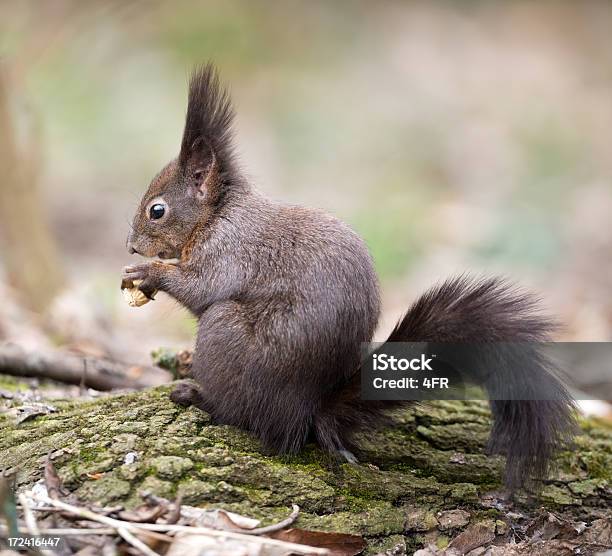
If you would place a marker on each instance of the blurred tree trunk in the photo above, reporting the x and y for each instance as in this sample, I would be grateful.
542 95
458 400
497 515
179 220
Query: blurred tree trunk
29 252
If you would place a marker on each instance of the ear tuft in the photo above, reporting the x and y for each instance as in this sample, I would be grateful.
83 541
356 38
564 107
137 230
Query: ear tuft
208 124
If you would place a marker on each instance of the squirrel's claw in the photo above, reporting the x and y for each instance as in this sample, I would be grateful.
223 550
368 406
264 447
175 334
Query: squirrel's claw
134 272
148 289
348 456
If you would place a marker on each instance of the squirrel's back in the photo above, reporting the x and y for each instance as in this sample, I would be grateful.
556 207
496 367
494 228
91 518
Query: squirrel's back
314 261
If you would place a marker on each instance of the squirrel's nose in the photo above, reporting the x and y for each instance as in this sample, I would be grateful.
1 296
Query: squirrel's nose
130 246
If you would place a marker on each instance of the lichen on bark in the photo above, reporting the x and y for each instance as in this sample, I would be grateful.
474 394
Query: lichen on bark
411 475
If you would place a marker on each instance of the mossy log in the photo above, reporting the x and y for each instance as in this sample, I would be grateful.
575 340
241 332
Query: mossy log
420 481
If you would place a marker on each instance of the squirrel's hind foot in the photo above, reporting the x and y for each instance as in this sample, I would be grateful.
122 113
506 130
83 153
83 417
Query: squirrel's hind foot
186 394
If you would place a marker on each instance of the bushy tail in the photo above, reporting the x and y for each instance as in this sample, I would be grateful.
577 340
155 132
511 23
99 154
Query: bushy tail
479 313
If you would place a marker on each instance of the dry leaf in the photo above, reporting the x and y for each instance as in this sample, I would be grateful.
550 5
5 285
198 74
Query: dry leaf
53 483
143 513
474 536
600 532
338 544
548 526
29 411
187 544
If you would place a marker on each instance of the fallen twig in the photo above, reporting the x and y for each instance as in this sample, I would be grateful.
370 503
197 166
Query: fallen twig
275 526
28 516
31 524
102 374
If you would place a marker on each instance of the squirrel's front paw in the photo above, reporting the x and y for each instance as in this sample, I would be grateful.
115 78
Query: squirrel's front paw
135 272
148 274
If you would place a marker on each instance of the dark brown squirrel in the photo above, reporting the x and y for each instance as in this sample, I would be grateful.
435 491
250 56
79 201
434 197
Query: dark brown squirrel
285 296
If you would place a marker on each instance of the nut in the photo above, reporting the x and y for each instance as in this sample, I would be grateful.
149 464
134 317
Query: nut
133 296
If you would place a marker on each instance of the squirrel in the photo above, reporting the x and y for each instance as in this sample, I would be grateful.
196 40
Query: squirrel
286 295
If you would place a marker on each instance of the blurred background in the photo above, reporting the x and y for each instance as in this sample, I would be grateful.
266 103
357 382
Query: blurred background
454 136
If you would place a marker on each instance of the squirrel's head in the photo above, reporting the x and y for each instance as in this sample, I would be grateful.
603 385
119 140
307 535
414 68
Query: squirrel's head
188 191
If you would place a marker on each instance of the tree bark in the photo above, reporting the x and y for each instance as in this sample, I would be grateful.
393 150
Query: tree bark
424 480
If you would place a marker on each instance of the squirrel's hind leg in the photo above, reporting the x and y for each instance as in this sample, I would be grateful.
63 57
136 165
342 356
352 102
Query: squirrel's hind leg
331 437
187 393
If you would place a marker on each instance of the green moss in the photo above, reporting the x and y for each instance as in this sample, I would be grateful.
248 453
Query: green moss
166 359
12 384
456 436
419 519
368 482
153 485
171 467
195 492
380 519
464 492
133 471
393 544
589 487
109 488
501 527
558 496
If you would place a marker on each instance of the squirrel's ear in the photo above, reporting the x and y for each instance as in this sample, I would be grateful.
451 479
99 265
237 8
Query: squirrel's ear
202 164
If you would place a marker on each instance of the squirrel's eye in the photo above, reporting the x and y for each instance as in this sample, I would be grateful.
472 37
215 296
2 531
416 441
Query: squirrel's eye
157 211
